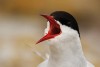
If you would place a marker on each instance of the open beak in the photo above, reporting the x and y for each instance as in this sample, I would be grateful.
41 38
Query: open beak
54 29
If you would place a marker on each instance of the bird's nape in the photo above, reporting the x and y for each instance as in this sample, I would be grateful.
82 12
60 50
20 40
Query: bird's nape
66 19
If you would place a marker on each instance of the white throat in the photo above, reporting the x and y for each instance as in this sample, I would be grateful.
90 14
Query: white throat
66 50
66 54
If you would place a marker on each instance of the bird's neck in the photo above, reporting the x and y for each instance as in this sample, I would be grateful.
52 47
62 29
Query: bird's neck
67 54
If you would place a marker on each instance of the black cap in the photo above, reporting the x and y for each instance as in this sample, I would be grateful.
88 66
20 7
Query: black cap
66 19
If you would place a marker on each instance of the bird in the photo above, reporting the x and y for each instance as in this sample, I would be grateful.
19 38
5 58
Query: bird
63 37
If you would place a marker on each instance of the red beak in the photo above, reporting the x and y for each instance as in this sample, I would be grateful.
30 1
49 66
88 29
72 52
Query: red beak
53 31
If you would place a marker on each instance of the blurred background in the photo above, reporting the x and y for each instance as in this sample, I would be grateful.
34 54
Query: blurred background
21 26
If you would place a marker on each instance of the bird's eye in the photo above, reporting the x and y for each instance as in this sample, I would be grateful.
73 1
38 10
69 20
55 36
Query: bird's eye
68 23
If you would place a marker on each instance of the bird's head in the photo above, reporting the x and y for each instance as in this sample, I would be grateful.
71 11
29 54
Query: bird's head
60 25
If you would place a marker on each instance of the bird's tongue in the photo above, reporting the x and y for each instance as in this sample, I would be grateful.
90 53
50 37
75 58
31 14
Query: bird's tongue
54 29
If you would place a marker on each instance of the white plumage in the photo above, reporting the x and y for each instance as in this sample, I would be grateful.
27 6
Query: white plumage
65 50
